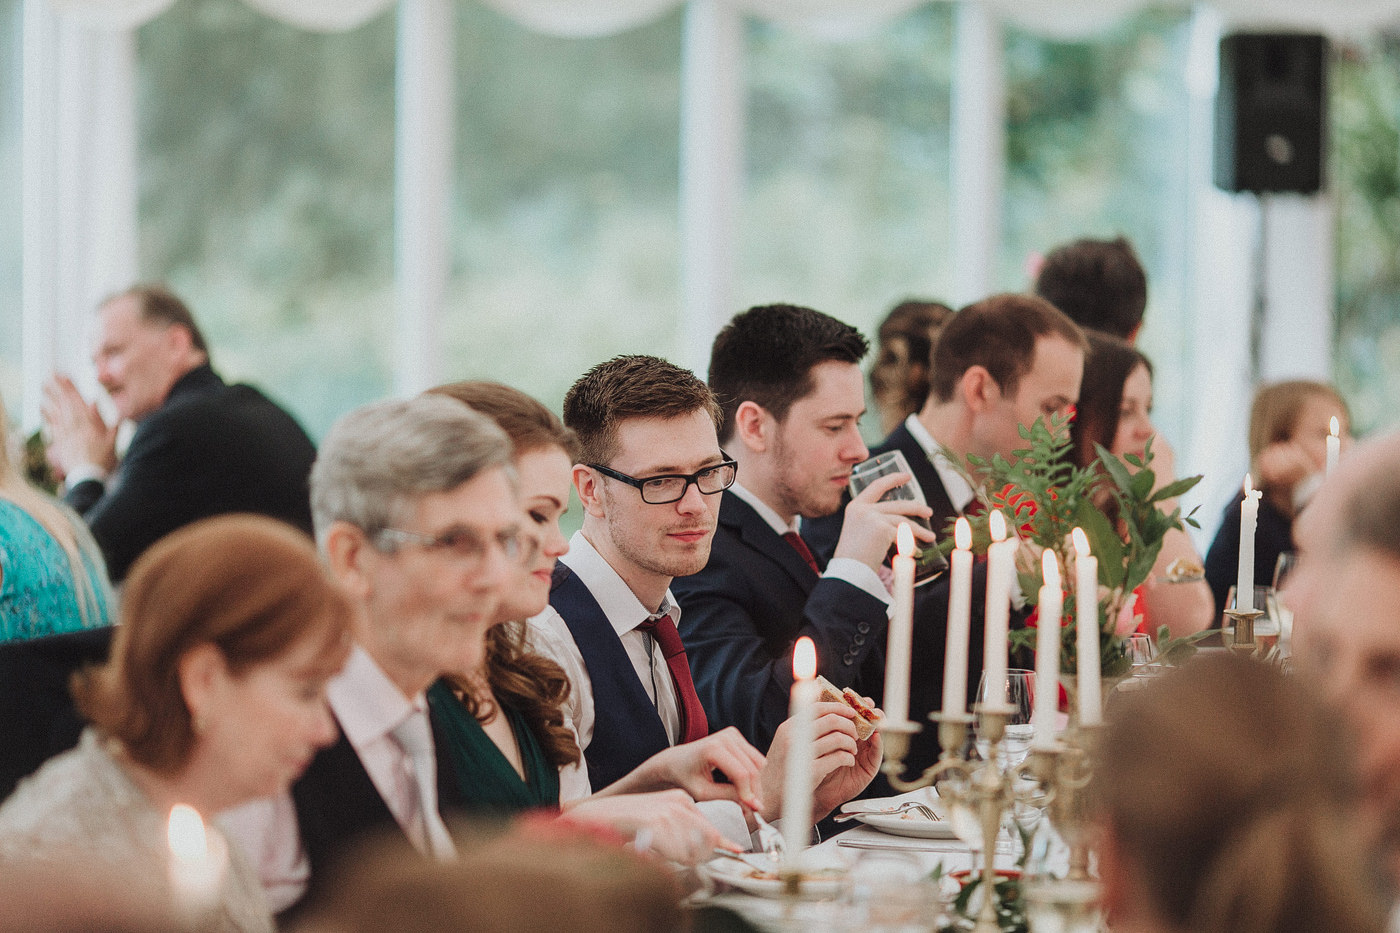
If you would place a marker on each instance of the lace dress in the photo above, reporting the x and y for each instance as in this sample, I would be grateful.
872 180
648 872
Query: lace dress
82 804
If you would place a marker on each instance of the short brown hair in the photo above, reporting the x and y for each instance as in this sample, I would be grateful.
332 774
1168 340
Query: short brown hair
249 585
1273 416
765 355
527 422
999 334
630 387
1099 283
159 305
1226 786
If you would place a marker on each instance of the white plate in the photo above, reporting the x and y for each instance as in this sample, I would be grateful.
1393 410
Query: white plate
741 876
909 824
904 824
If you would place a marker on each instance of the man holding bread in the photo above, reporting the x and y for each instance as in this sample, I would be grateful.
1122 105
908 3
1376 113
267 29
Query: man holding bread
651 476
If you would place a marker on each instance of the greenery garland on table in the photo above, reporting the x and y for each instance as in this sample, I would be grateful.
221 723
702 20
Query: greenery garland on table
1045 496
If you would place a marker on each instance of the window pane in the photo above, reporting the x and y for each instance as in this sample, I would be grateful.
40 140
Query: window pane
847 177
1096 147
566 204
10 226
1365 170
266 161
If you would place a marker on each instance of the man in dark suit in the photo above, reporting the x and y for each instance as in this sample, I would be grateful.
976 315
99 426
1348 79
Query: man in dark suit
998 365
650 478
417 516
201 447
790 384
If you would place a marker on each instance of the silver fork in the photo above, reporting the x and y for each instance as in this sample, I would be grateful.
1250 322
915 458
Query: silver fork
905 807
769 838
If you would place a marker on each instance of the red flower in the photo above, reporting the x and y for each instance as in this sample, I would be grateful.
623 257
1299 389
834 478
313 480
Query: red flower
1020 507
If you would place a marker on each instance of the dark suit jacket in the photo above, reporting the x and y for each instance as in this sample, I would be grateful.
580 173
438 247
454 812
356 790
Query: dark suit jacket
210 449
742 614
822 534
338 807
1273 535
37 717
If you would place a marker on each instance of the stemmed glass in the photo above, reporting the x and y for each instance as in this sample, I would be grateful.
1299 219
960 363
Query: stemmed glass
1020 696
1277 606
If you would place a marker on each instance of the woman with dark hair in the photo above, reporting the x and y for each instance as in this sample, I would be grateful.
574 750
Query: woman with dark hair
214 696
512 739
1115 412
1226 806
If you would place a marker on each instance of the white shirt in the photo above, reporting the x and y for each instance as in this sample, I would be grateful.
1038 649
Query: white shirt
848 569
959 490
368 706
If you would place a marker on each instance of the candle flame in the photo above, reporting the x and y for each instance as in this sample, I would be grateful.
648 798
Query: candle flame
804 659
905 537
186 834
1248 485
1081 542
1050 569
1336 428
998 526
962 534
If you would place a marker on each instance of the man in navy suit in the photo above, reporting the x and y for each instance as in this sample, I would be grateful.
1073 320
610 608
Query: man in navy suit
651 476
790 383
201 447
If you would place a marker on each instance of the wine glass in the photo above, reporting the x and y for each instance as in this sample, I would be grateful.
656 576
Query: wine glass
1141 652
1020 696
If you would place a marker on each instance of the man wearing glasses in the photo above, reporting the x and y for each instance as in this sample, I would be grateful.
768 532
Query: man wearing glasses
650 478
417 517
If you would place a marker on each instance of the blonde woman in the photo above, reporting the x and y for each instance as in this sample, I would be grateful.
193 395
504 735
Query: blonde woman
52 578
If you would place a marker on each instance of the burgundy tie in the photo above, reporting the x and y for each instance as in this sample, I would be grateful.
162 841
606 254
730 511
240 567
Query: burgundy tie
694 725
800 546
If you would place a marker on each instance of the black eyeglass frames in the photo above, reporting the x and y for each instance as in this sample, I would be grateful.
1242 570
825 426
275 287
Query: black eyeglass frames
671 487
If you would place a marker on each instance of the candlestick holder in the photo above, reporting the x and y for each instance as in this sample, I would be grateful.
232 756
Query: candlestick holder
1244 619
1058 778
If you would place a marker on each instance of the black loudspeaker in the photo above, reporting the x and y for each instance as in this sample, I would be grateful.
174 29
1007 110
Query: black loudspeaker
1270 112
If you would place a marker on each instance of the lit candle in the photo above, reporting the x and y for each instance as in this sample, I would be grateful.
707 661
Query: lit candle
901 629
1334 445
1000 571
1086 614
959 621
198 859
1047 653
1249 517
797 780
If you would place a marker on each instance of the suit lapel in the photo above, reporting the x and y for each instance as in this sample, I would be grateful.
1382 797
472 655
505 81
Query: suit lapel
751 529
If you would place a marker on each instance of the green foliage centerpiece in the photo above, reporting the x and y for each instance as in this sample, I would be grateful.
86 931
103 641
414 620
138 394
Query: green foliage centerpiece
1045 497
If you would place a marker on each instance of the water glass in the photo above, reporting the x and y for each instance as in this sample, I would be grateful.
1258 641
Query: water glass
1020 695
929 562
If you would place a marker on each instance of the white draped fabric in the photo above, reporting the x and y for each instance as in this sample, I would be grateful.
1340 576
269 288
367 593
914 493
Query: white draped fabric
80 154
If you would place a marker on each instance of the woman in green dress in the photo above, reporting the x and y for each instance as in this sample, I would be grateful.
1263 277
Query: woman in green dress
508 740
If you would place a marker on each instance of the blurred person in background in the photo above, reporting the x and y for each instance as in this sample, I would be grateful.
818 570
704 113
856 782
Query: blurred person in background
1289 423
215 694
1100 284
1115 412
52 576
1227 805
201 447
899 379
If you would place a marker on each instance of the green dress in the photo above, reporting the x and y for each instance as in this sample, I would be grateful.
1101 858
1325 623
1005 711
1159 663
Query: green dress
487 782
